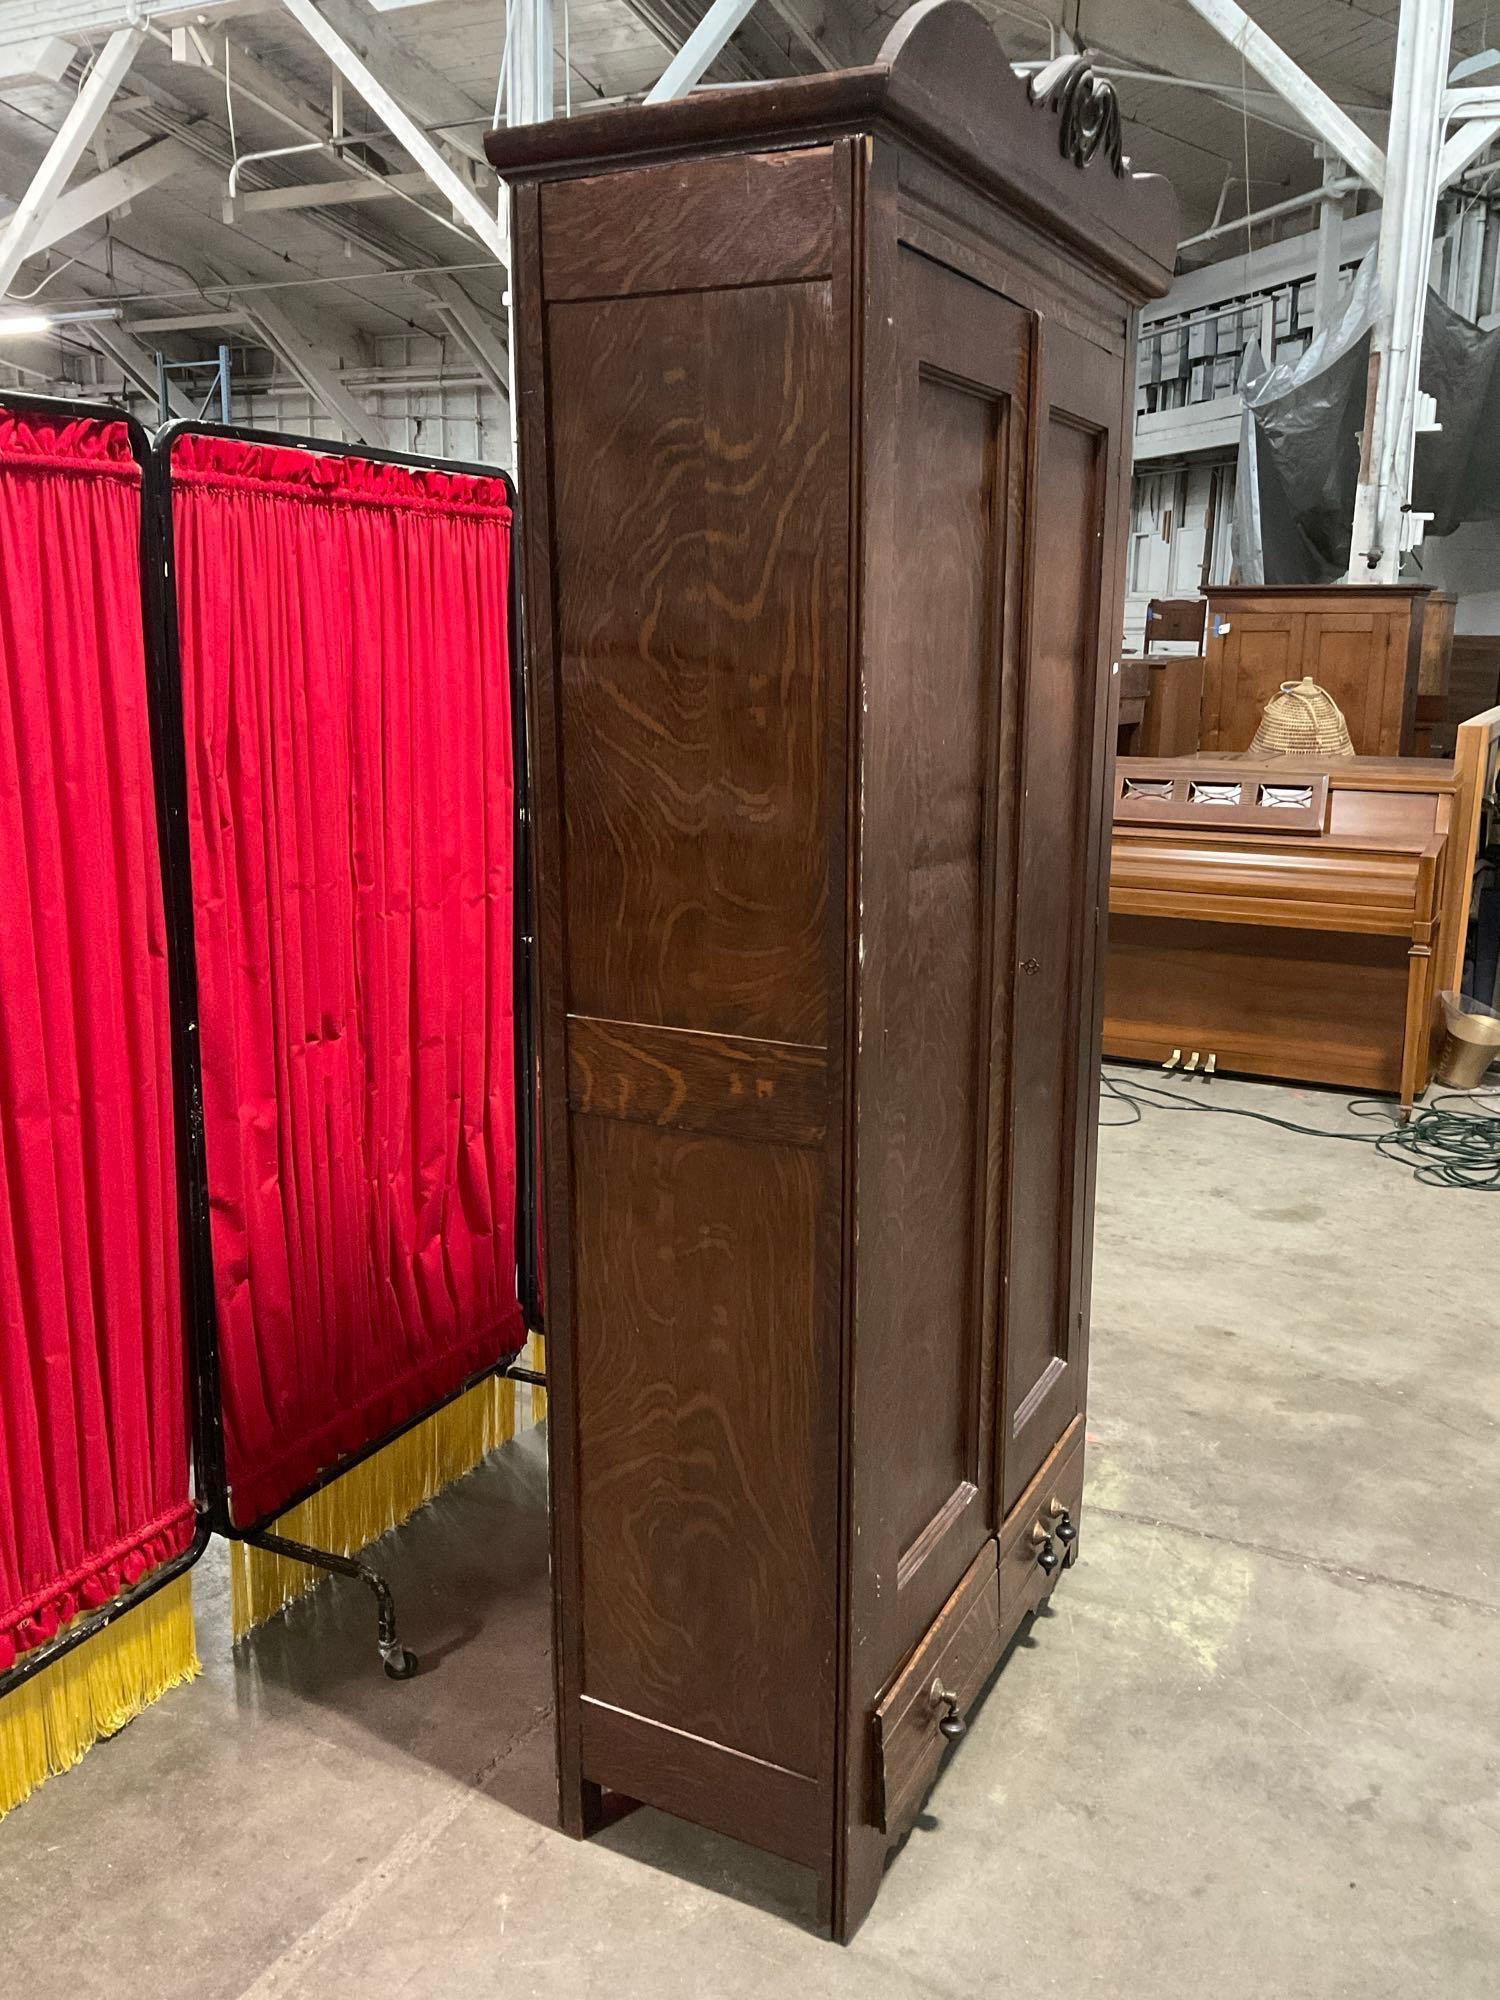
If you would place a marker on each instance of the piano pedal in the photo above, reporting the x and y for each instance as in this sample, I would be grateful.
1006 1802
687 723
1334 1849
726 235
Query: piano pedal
1191 1065
1172 1061
1210 1068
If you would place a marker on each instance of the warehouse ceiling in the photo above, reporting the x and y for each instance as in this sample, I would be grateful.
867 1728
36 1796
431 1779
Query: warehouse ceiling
210 248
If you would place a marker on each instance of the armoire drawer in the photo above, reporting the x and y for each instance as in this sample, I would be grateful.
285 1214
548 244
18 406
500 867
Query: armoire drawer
957 1656
1041 1519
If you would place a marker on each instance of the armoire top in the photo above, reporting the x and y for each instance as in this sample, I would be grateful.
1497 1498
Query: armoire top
941 84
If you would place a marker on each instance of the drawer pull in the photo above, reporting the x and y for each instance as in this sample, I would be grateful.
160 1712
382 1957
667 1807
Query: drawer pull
950 1723
1046 1555
1065 1531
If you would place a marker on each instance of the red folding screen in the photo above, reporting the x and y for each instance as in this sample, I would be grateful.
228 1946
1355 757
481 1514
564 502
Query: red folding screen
344 647
93 1404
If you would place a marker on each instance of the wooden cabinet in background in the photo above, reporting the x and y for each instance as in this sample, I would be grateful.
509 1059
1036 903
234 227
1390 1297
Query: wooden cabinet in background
826 389
1375 648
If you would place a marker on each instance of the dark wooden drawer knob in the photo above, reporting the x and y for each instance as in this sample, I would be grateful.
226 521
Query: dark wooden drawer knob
950 1722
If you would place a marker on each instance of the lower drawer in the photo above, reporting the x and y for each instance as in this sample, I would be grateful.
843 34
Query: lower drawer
1040 1534
937 1684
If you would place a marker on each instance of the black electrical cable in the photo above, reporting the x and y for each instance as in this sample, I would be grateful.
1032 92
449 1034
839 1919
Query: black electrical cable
1442 1147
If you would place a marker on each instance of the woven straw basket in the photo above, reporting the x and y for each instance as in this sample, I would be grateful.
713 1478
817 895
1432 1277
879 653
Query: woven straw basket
1303 720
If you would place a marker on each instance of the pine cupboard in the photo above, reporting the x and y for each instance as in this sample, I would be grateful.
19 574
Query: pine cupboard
1377 648
825 393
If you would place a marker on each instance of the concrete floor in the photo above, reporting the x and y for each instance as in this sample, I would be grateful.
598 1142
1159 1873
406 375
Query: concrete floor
1253 1752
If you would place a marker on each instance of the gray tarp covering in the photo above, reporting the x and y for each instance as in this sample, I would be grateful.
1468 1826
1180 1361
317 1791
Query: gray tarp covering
1300 435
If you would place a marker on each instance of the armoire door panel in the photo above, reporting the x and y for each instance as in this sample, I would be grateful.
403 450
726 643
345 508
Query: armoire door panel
964 354
698 626
707 1436
1042 1390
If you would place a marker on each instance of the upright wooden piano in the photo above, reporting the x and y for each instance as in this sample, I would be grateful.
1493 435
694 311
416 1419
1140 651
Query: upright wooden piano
1280 917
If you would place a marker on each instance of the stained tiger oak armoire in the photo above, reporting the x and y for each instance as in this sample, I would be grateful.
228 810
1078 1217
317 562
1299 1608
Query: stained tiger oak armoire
826 389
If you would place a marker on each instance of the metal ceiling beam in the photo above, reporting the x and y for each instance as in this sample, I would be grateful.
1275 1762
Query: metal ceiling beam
110 190
1462 148
1308 99
403 128
467 323
46 59
688 65
136 363
67 149
434 101
325 194
754 56
315 370
190 322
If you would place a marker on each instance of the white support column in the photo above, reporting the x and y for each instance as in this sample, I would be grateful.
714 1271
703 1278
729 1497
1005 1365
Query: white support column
314 370
1403 261
453 188
529 100
67 148
1305 97
698 51
1331 214
530 95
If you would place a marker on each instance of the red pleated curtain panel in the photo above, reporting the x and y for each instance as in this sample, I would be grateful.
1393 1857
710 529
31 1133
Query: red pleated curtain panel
94 1482
344 646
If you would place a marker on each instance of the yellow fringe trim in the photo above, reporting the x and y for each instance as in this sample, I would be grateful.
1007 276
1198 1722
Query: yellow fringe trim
50 1721
381 1492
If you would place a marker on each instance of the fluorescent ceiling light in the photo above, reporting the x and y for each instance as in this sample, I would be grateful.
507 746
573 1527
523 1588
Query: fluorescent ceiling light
23 326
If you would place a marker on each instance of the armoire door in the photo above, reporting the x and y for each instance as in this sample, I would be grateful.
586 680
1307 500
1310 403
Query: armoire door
940 792
1059 894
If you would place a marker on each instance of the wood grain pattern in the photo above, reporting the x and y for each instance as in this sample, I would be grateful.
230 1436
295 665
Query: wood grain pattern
706 1412
1311 1006
779 1810
807 570
698 1083
697 526
745 218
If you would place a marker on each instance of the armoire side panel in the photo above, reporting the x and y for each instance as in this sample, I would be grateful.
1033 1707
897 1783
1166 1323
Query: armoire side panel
697 370
696 490
1042 1337
703 1410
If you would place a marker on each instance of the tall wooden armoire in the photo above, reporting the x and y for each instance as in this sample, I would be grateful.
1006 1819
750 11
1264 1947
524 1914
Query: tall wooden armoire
826 390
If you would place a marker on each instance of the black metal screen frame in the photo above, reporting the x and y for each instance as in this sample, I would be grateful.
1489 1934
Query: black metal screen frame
81 1629
208 1429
